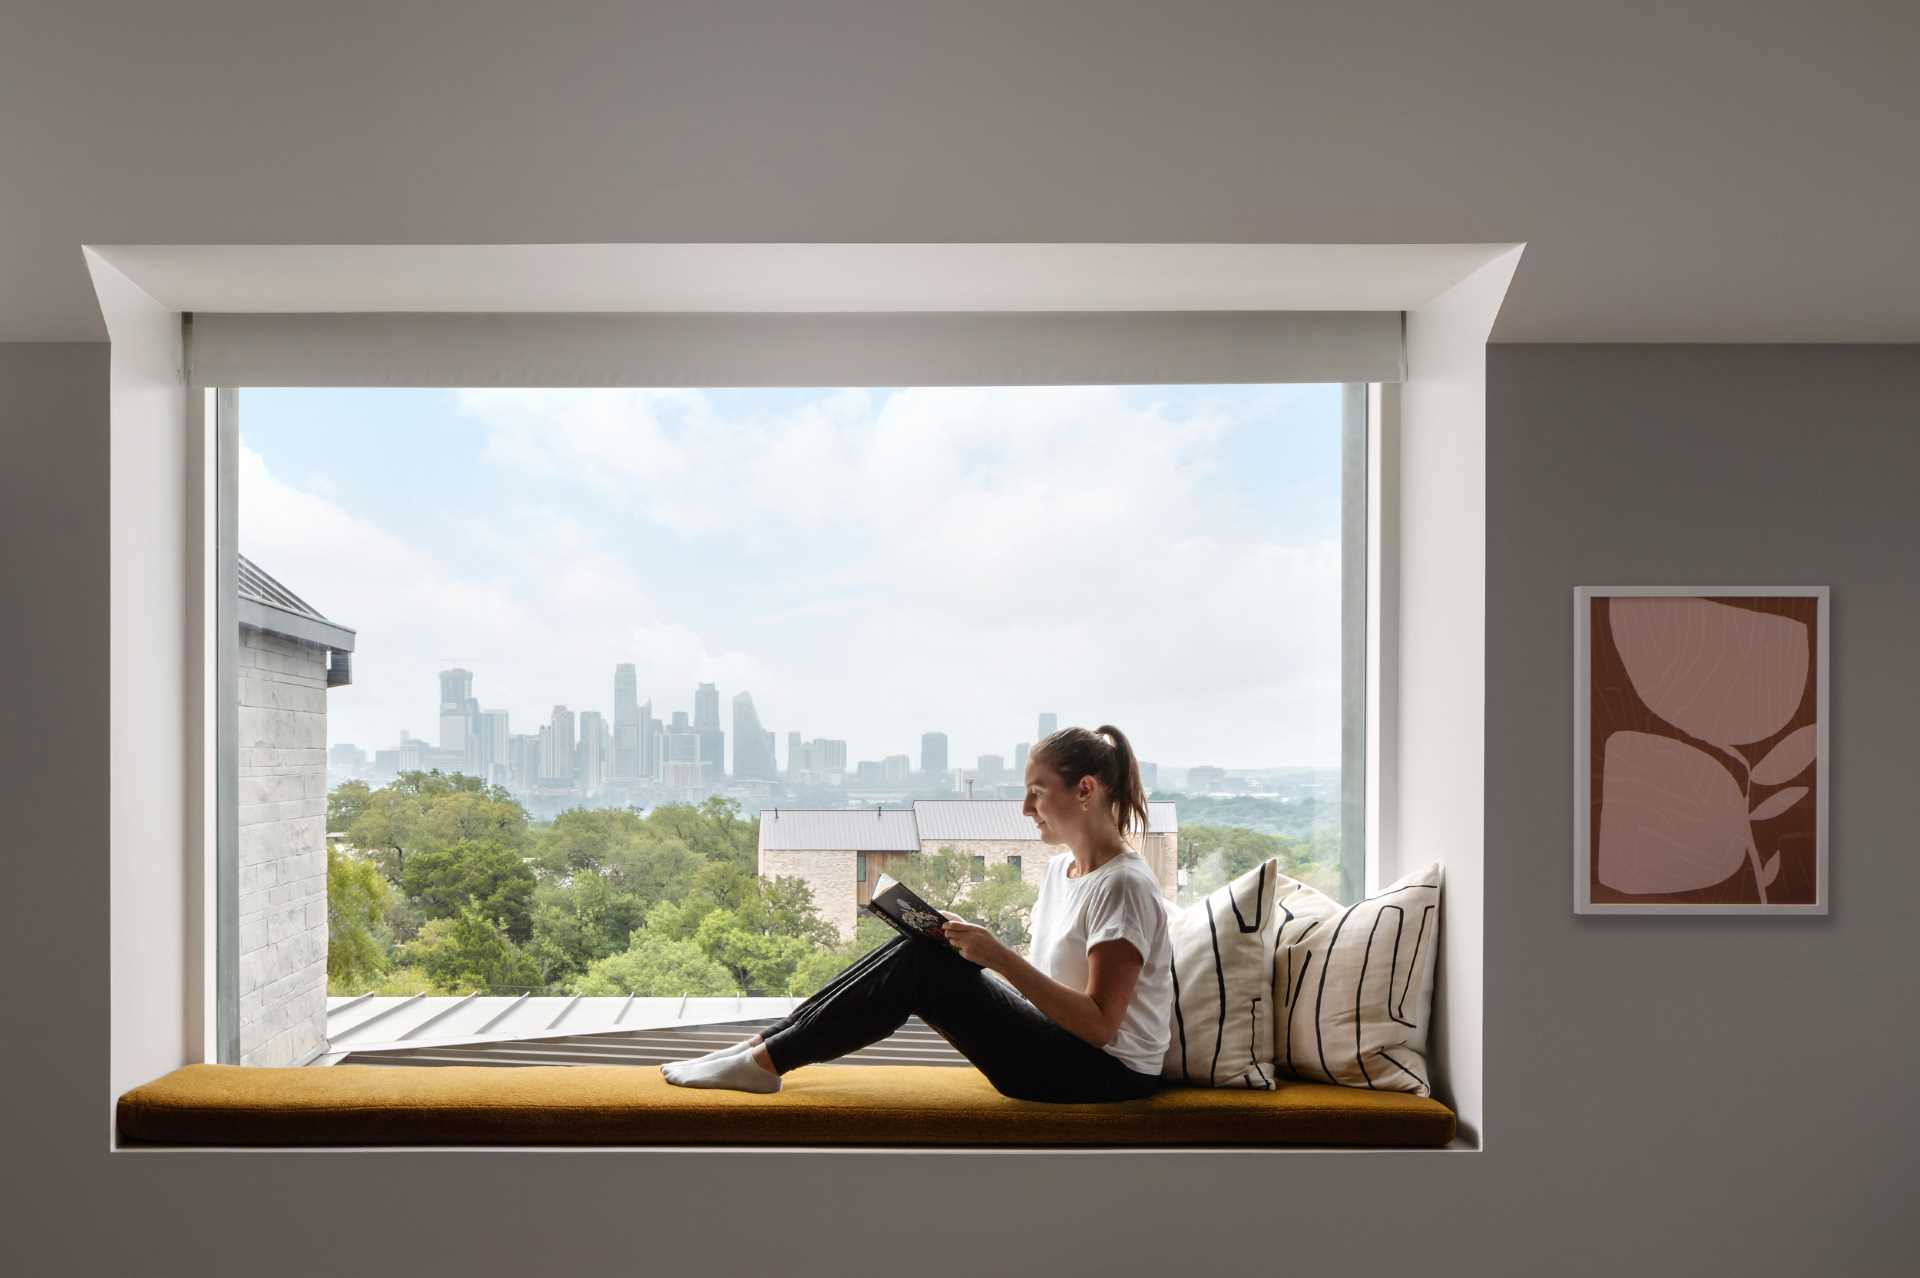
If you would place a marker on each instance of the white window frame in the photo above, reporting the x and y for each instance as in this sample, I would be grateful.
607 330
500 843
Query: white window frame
1368 576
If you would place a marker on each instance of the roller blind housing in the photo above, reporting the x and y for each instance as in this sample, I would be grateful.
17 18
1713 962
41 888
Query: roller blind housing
717 349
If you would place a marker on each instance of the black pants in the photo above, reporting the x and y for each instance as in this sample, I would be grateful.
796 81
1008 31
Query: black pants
1023 1052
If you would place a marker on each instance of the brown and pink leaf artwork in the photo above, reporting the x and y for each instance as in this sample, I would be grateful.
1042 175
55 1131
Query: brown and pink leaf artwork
1705 741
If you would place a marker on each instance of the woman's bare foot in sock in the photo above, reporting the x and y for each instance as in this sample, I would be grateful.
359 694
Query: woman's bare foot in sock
750 1071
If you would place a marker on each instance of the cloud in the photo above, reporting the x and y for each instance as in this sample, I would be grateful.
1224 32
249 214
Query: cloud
535 635
959 558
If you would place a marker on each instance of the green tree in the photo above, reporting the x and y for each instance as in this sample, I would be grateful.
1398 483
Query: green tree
345 803
403 981
760 962
586 840
358 899
1003 904
713 831
424 811
578 922
469 952
1218 854
656 966
675 920
441 880
942 879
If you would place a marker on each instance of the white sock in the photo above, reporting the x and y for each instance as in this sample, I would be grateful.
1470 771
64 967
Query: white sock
744 1045
735 1071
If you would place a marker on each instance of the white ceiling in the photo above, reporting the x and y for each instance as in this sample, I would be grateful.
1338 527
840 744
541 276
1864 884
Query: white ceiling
1696 172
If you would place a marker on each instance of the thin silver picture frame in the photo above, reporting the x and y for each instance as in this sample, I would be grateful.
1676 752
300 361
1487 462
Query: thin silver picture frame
1583 597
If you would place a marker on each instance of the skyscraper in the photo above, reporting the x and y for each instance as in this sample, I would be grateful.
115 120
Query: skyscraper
681 764
933 753
1049 724
456 708
626 721
523 758
1020 761
652 743
752 744
556 759
713 739
796 755
591 759
490 739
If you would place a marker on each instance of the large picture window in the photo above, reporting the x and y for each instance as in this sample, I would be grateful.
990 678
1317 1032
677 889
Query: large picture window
628 694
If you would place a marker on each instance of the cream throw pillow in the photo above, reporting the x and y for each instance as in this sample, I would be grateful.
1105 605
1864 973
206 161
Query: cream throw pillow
1223 983
1353 986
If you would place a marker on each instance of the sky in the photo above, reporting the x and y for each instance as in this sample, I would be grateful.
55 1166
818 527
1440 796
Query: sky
868 564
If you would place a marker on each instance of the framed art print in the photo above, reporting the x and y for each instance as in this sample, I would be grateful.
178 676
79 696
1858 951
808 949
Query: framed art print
1700 750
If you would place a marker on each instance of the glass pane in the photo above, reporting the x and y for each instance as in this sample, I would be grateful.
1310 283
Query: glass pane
626 665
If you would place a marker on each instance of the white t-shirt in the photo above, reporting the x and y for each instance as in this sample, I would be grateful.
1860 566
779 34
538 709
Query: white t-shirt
1118 900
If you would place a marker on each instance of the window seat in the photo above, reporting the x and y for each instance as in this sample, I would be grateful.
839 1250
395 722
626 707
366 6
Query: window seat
818 1105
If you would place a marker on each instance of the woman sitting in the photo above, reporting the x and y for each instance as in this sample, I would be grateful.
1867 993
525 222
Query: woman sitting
1086 1019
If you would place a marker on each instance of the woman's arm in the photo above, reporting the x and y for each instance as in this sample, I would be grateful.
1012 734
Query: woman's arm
1113 969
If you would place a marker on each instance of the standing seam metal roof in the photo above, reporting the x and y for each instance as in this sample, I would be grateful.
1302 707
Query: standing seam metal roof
274 607
857 830
930 821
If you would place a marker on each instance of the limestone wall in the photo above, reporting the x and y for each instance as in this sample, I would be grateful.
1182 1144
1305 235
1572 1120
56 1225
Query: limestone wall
283 859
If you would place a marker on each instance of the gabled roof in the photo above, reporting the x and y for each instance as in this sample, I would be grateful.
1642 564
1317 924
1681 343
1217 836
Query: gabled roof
1002 819
930 821
838 829
266 604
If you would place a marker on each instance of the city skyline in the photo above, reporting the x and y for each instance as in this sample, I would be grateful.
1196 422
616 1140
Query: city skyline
867 563
497 724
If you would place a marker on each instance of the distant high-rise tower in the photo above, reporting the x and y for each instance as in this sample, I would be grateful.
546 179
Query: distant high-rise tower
490 738
456 708
626 721
591 759
796 754
752 744
1049 724
523 759
680 763
933 753
556 759
1020 761
652 743
713 739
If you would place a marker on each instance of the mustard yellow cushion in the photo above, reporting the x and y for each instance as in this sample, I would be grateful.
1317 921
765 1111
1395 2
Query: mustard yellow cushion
818 1105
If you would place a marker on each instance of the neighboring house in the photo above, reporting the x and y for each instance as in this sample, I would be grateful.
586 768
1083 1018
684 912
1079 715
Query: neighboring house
840 852
289 655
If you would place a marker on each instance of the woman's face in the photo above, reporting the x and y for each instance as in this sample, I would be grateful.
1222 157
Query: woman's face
1054 806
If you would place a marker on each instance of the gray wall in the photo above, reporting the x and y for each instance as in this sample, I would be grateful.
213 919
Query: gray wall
1737 1089
1663 1096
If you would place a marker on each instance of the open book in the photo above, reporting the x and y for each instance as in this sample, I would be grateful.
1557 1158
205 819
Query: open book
904 911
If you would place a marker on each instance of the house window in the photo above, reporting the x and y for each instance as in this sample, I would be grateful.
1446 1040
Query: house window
578 646
1014 861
